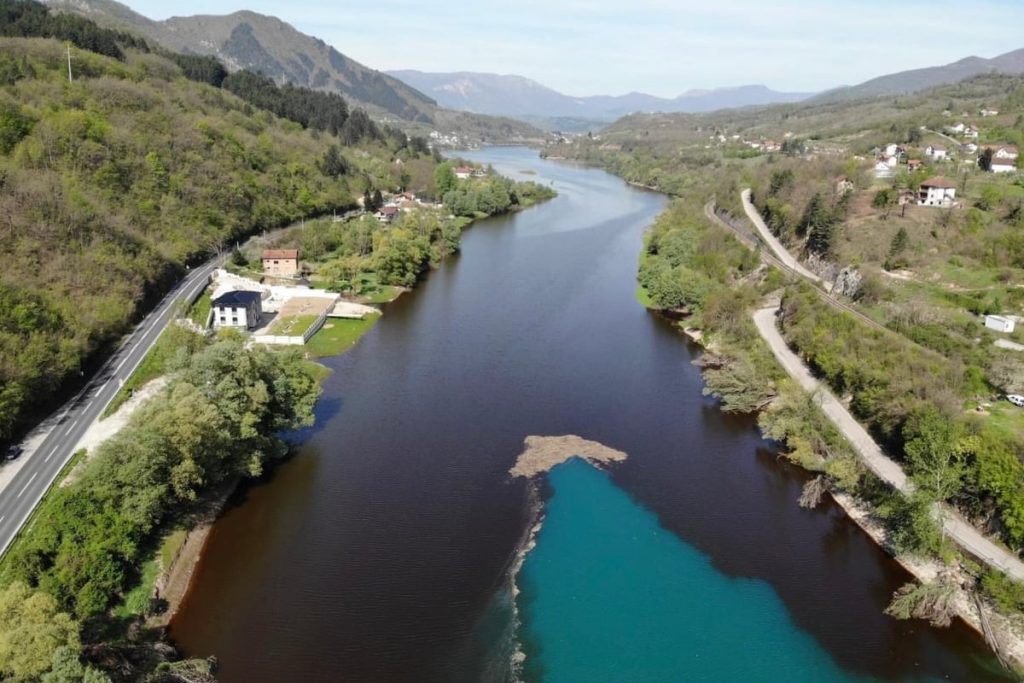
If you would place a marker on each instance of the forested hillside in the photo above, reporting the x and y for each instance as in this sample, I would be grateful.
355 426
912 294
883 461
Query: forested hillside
113 183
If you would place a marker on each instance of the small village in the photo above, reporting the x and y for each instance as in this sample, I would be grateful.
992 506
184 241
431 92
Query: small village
278 306
282 309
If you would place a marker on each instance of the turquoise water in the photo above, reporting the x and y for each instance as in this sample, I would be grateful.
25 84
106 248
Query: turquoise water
607 594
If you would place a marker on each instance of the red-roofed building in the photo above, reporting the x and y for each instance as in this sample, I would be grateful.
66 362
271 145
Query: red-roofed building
463 172
386 214
280 262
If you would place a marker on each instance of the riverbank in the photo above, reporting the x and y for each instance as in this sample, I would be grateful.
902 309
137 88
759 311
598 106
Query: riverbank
736 366
1003 635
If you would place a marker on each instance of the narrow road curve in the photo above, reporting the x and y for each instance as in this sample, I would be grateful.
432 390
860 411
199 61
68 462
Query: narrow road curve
41 465
776 246
954 525
752 242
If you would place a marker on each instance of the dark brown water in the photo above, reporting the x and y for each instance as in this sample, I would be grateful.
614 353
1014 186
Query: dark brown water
381 551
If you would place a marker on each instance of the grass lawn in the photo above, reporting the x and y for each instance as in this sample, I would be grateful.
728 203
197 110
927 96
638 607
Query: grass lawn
200 311
136 601
155 362
1007 418
339 335
317 371
292 326
383 295
366 287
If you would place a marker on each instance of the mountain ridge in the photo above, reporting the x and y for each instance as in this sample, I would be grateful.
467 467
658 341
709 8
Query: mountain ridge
519 96
258 42
916 80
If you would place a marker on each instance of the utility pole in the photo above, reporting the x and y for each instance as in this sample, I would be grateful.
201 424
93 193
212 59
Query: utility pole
69 62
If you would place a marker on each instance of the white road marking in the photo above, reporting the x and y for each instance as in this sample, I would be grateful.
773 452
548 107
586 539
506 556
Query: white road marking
27 484
118 368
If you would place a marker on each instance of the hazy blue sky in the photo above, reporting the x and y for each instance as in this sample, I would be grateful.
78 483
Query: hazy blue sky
658 46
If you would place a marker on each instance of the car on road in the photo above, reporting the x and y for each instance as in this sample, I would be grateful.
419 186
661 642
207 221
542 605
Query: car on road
13 453
1016 399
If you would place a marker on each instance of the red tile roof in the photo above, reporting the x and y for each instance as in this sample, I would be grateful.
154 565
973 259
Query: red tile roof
938 181
280 254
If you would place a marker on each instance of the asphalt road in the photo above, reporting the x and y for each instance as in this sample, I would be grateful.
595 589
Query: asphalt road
23 493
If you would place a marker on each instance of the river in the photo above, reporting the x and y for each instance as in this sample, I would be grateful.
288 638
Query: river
382 550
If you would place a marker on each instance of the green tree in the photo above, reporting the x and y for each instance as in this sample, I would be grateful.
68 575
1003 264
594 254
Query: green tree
985 159
931 442
444 178
815 214
884 200
32 628
333 164
822 238
66 668
399 257
897 247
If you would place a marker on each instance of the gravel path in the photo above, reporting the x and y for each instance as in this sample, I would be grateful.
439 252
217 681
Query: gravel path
777 248
955 526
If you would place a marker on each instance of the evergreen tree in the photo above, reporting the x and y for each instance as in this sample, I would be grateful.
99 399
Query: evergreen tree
821 239
814 215
896 248
333 164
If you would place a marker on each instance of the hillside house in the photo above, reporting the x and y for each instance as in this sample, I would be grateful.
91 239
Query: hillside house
937 191
936 152
986 112
882 169
956 128
1004 159
971 132
892 150
280 262
386 214
969 148
1000 323
914 165
240 309
463 172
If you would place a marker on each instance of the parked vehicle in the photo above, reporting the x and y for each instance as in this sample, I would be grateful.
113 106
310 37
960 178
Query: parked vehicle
14 452
1016 399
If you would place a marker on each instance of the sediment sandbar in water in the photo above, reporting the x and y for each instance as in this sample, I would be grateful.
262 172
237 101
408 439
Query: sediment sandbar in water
544 452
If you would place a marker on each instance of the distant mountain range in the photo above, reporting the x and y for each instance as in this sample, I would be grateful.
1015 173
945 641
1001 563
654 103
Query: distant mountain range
246 40
916 80
519 97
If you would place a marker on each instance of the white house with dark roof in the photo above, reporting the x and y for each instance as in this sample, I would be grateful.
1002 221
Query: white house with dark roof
239 309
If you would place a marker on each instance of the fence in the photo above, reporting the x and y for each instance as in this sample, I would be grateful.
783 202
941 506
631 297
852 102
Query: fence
294 340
